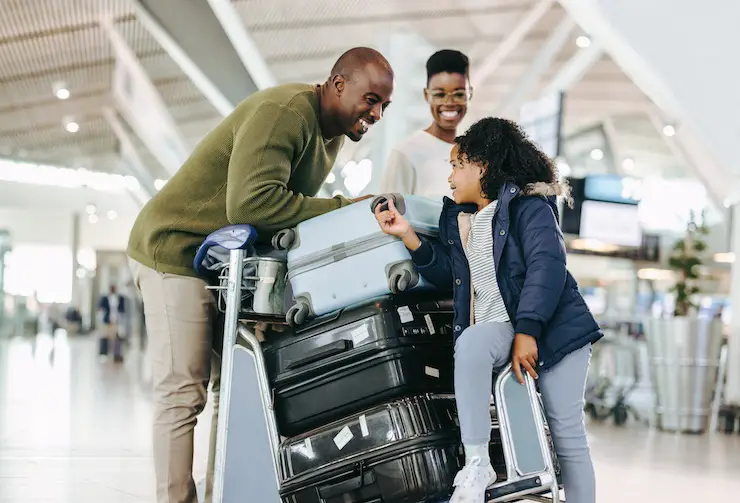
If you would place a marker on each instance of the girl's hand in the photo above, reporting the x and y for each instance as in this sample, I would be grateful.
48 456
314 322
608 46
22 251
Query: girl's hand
524 354
392 222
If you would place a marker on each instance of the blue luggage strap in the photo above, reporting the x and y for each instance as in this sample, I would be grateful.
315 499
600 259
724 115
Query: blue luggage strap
217 245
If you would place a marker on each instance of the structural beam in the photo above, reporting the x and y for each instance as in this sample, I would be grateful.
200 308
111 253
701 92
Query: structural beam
139 102
130 158
512 40
575 68
528 82
222 60
243 43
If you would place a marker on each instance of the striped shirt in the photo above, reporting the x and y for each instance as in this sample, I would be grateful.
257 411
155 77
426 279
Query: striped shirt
489 306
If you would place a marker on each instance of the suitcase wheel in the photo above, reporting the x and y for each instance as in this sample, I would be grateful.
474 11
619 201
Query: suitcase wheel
284 239
297 314
402 279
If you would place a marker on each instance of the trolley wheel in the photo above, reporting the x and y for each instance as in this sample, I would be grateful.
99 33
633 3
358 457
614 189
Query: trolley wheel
297 314
284 239
620 414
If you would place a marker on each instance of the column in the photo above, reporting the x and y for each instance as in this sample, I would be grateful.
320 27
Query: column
75 246
732 389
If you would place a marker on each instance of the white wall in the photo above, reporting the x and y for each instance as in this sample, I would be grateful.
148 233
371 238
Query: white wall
36 214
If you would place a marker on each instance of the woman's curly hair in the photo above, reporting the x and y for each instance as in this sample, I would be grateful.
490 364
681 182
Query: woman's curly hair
507 154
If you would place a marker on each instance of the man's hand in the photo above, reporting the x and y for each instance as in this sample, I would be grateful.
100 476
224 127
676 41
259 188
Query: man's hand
362 198
524 355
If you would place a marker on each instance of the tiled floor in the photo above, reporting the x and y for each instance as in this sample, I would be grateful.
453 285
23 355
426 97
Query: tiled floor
74 429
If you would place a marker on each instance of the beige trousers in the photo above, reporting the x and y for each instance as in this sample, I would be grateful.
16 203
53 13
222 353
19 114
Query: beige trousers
181 323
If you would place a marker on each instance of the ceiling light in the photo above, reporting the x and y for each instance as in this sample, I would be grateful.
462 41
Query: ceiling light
72 127
331 178
90 209
669 130
158 183
583 41
628 163
112 215
597 154
60 90
93 218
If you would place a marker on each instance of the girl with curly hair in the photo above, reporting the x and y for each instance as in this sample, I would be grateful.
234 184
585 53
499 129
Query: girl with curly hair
502 251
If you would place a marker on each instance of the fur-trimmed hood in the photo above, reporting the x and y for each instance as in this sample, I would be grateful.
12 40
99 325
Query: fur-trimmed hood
556 189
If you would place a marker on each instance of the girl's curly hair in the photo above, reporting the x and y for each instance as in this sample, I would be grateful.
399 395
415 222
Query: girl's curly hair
507 154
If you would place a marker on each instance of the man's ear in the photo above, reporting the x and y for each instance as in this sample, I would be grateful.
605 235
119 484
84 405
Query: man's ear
426 95
338 84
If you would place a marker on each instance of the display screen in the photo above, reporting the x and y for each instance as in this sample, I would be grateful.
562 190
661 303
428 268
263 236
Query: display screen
610 223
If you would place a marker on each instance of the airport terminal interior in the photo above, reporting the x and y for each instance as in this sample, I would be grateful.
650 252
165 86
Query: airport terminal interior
103 101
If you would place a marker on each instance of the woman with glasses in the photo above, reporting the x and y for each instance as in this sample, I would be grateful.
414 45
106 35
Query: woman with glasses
420 164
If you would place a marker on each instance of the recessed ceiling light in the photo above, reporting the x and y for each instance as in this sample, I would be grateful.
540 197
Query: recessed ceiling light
112 215
90 209
158 184
93 218
60 90
331 178
669 130
628 163
72 127
597 154
583 41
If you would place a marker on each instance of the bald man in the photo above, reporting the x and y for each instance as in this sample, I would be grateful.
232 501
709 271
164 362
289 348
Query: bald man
262 166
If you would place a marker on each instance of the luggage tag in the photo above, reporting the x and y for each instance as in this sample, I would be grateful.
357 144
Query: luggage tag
430 325
405 314
343 437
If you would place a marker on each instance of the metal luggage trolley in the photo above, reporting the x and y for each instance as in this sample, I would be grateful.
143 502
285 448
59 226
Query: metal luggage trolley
246 459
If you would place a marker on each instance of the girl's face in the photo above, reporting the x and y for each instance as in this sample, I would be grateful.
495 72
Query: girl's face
465 179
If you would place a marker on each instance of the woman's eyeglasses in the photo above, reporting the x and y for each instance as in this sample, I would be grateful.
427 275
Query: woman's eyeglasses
459 97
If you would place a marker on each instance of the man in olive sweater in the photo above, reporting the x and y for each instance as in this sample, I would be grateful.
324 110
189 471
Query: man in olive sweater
262 166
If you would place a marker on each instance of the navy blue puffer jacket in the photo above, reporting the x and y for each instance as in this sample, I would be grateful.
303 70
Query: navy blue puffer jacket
541 296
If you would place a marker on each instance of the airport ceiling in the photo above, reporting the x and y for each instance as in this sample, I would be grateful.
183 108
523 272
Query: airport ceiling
48 43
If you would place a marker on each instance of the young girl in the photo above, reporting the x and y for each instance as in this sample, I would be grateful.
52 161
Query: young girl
501 249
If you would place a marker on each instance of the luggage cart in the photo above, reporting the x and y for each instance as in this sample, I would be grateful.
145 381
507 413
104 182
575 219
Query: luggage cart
246 458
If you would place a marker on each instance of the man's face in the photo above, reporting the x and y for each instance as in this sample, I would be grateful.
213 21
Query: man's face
363 98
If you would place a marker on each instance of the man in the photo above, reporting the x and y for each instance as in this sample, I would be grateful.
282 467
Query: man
261 166
420 164
112 309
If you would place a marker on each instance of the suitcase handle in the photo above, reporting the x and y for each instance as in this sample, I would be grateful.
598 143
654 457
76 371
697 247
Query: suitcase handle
365 478
383 201
331 349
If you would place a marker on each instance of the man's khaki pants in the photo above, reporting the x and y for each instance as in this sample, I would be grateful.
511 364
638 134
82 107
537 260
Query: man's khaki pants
181 318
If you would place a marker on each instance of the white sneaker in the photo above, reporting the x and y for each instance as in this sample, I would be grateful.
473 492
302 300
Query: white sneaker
471 482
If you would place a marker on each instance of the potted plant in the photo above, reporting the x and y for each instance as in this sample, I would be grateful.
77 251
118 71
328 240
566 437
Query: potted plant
686 260
684 349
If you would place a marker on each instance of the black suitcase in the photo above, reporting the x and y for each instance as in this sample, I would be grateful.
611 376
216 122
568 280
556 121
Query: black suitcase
405 451
380 350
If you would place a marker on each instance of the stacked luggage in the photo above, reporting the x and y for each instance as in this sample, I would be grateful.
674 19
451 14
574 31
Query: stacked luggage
362 387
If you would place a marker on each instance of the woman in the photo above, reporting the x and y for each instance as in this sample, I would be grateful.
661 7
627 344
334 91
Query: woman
420 163
499 243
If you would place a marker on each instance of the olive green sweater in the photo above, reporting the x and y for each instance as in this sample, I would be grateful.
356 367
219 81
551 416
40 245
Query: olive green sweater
262 166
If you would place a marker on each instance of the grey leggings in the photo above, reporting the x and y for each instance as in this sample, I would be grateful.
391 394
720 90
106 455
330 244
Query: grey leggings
487 346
